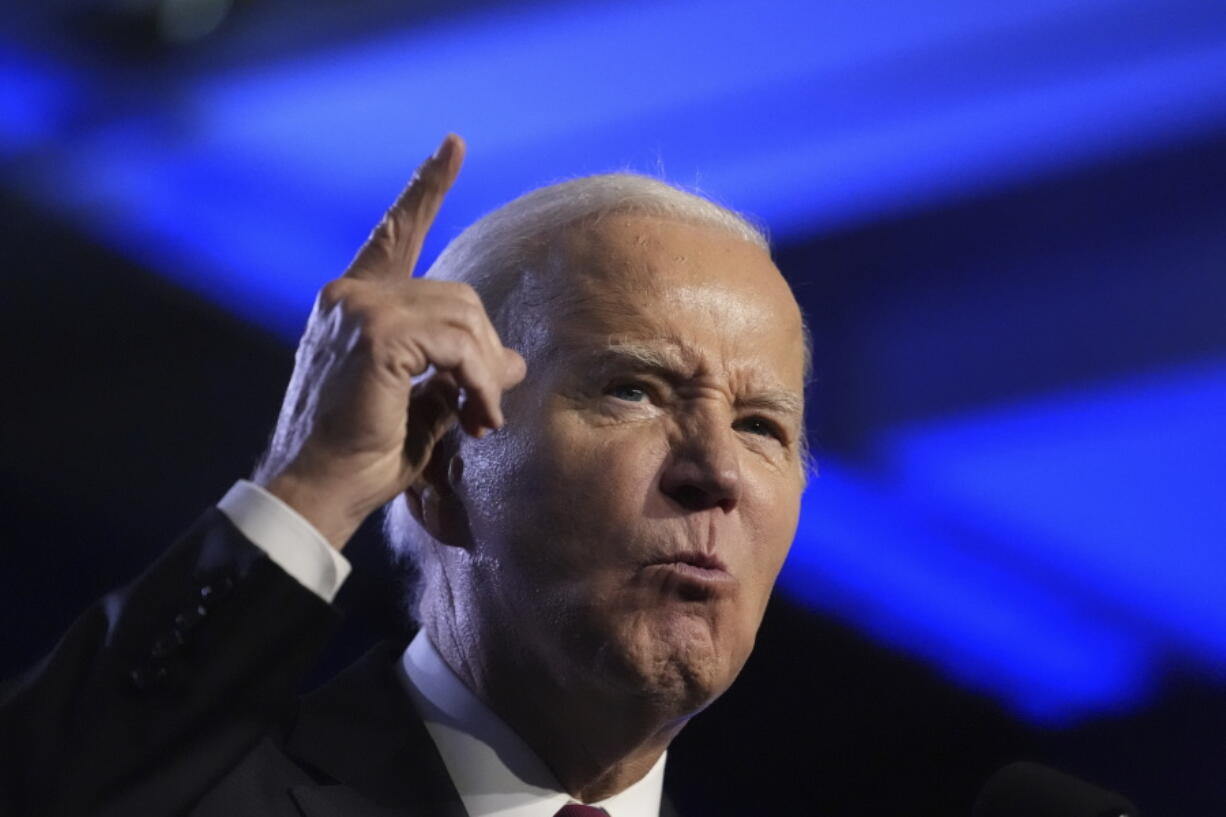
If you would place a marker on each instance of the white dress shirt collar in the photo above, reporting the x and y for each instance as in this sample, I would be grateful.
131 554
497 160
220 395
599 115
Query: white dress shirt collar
494 771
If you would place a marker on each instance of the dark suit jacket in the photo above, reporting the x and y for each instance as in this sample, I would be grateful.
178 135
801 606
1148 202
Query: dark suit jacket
176 695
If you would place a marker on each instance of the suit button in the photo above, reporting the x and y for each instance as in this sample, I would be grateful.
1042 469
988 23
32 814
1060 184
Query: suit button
209 596
168 644
216 590
187 620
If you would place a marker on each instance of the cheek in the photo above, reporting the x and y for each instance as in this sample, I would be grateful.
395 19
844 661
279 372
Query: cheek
561 491
772 527
599 482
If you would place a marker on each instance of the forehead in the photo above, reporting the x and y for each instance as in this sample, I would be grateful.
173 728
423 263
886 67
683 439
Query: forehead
712 299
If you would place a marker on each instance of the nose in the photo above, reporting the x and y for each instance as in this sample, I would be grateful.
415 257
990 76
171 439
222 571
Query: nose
703 471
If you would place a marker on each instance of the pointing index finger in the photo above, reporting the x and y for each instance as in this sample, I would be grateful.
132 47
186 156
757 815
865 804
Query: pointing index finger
393 247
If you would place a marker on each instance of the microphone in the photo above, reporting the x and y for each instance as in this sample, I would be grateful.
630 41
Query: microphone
1033 790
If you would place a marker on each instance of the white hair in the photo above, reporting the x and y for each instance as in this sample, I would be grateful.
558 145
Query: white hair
494 254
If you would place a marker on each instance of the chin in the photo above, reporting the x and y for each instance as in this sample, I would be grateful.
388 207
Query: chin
678 662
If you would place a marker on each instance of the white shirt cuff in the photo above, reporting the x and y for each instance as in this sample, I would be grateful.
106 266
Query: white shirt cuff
287 538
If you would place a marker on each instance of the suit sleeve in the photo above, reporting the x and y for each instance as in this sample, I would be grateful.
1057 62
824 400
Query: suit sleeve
159 688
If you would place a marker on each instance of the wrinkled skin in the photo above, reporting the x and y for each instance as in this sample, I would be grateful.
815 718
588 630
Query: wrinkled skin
661 415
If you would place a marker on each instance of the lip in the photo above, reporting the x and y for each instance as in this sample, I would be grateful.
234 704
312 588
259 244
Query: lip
695 559
702 574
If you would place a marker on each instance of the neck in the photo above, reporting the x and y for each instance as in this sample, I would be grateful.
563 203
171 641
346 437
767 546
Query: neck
597 743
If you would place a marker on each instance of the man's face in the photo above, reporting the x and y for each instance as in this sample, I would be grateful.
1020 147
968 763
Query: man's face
629 521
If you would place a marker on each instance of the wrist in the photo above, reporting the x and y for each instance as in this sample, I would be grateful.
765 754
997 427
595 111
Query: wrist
318 505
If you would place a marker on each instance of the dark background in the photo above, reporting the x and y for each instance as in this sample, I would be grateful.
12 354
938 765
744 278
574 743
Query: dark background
130 405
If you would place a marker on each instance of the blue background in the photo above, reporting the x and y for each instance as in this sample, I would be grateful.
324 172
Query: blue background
1003 219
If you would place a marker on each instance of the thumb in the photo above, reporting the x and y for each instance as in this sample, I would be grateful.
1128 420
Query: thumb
434 407
515 368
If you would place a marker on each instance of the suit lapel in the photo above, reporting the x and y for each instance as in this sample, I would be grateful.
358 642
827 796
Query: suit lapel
368 746
667 809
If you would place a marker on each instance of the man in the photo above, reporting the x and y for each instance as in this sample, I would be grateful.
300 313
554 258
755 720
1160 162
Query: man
597 540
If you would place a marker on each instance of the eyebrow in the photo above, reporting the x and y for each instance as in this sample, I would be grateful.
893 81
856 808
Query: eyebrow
780 402
671 362
639 355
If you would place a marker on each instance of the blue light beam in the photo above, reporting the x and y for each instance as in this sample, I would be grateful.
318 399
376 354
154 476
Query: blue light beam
912 580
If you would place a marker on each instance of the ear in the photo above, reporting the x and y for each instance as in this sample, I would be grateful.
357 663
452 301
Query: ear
433 500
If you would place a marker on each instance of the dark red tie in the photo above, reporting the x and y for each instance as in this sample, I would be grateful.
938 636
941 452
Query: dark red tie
576 810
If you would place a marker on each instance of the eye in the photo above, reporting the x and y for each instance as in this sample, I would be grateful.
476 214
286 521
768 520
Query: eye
630 392
760 426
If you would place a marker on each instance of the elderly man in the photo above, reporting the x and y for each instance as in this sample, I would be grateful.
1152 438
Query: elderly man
598 517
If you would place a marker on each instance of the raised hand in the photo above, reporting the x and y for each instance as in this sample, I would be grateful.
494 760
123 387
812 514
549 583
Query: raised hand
354 431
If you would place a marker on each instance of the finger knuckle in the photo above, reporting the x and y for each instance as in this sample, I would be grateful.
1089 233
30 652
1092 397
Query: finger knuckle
464 292
385 234
397 227
362 311
335 292
467 343
429 174
385 340
471 315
